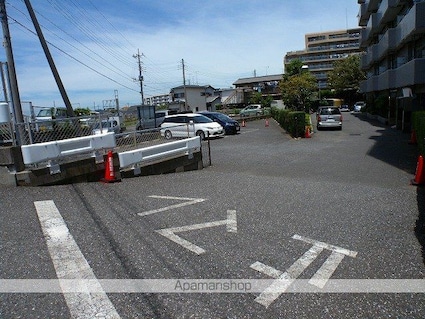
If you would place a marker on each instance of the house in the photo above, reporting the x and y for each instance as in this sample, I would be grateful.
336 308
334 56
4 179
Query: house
266 85
194 98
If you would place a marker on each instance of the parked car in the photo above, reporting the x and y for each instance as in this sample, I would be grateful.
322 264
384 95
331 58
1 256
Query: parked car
144 123
330 117
230 125
344 108
110 125
358 106
251 110
189 125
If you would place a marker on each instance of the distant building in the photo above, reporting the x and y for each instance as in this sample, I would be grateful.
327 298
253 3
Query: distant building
394 39
194 98
323 49
267 85
157 100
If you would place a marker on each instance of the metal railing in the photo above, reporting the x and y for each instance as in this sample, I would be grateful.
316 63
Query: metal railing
35 132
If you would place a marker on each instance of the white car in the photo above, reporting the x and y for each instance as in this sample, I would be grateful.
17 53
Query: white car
190 125
358 106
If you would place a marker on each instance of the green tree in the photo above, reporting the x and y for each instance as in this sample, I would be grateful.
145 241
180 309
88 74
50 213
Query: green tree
346 74
293 68
297 90
82 111
258 98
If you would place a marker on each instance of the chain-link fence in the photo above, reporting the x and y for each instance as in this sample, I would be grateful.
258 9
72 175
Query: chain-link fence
39 131
6 134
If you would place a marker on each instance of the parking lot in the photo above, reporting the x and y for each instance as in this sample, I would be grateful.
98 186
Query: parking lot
268 211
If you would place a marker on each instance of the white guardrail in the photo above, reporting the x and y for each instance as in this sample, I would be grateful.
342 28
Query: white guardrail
186 146
50 151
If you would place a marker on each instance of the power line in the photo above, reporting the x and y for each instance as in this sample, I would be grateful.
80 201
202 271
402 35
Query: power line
75 59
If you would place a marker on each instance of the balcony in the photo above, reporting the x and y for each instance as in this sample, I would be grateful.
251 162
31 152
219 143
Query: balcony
371 30
412 24
372 5
388 10
363 15
409 74
370 57
387 44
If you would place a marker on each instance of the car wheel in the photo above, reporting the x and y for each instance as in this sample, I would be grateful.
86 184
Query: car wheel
201 134
168 135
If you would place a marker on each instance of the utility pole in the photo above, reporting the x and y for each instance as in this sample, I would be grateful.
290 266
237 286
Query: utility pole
16 100
138 57
3 66
52 65
117 103
186 104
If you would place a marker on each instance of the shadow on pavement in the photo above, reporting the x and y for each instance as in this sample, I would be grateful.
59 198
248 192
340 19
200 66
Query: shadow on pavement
392 147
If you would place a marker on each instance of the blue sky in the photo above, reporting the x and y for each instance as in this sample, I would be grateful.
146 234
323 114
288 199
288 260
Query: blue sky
93 43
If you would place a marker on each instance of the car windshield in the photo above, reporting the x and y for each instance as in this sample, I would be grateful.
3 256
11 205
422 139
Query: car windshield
47 112
201 119
329 111
222 117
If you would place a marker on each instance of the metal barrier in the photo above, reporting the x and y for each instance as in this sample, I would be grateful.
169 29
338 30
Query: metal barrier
51 152
6 134
142 155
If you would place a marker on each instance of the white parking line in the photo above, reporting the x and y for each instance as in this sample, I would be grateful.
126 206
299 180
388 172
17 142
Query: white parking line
286 279
282 283
69 263
170 233
187 201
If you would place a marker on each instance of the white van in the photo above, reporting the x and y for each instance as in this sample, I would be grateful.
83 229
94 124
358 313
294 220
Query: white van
47 116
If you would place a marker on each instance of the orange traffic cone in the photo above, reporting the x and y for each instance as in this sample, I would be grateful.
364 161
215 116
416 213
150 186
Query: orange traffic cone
109 170
419 176
243 123
267 122
307 132
413 140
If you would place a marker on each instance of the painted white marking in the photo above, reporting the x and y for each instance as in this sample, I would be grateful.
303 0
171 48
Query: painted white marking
170 233
282 283
69 263
326 246
187 201
284 280
325 272
248 131
267 270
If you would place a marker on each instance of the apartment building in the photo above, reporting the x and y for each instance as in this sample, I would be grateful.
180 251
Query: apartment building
393 36
157 100
323 49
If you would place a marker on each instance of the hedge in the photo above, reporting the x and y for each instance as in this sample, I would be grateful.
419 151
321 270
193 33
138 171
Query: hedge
294 122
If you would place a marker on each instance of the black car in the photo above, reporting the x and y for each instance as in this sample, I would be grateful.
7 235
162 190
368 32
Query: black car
230 125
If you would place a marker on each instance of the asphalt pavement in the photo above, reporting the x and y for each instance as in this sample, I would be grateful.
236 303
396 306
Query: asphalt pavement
327 227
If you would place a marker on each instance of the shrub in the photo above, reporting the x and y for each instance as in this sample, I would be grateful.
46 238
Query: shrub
292 122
